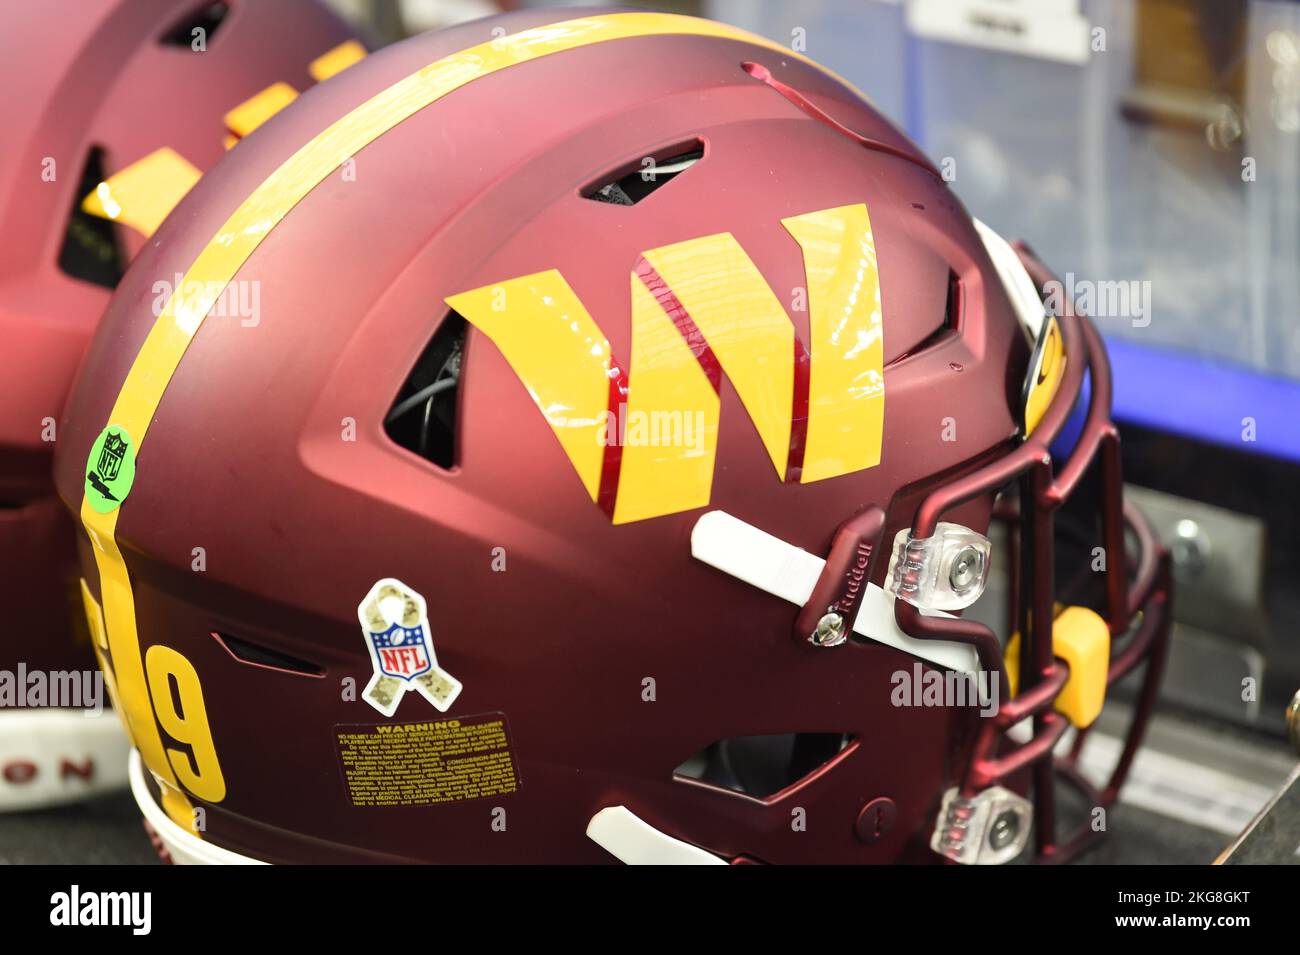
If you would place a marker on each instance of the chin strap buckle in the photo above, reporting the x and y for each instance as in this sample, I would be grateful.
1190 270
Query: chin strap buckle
989 828
827 618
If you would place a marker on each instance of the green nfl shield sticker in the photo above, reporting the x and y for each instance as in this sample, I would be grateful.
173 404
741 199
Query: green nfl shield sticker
110 469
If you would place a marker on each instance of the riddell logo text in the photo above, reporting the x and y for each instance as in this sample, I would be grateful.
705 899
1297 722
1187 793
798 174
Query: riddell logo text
75 907
853 580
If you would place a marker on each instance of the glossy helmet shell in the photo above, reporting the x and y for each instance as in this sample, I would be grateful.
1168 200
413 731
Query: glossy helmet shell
91 89
268 450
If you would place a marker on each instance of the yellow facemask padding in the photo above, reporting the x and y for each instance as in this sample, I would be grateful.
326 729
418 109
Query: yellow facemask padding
258 108
336 60
1081 638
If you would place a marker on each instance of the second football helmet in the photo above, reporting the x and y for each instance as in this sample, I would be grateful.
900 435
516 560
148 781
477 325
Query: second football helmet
112 110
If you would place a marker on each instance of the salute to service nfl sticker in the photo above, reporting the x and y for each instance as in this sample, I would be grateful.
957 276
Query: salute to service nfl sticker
110 469
396 628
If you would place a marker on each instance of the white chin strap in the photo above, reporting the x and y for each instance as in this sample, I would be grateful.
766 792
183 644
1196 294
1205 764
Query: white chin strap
633 841
788 572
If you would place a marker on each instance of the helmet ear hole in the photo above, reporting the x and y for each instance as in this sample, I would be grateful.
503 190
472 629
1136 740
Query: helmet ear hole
762 766
423 418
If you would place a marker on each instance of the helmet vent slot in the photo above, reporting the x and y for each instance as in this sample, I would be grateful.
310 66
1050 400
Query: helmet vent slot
634 182
206 17
91 251
953 306
423 418
952 320
763 767
245 651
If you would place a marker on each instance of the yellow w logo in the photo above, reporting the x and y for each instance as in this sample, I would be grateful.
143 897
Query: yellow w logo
701 310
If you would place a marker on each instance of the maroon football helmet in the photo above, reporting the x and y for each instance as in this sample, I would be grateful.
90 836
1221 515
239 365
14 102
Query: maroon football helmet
112 109
577 436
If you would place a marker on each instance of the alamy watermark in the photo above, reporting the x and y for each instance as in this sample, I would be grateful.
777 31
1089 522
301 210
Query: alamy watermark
922 686
237 299
653 429
84 907
62 689
1129 299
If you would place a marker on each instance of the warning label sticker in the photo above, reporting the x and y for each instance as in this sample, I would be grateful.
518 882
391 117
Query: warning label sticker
422 764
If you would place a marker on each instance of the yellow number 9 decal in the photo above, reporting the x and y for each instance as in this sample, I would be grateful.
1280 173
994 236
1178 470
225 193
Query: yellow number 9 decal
189 726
